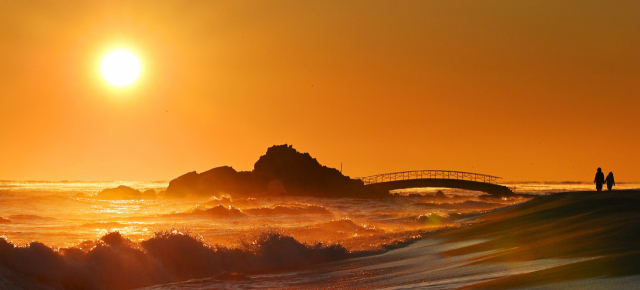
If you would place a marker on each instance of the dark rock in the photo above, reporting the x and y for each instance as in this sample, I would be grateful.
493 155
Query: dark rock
281 171
125 192
217 181
149 193
440 194
301 174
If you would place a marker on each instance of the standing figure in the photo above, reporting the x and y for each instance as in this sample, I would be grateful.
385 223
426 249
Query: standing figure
610 182
599 179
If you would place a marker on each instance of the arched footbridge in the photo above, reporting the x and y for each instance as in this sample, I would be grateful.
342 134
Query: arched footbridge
437 178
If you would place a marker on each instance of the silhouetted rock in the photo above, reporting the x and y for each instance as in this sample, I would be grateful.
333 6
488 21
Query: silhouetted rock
301 174
216 181
125 192
281 171
440 194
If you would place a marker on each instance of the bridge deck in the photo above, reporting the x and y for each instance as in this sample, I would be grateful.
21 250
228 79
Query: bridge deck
429 174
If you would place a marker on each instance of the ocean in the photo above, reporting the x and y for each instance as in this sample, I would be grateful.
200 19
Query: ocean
264 238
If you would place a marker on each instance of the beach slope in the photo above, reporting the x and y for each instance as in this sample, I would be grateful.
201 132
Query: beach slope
603 227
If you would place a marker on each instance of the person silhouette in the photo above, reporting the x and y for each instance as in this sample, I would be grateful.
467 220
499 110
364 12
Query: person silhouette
599 179
610 182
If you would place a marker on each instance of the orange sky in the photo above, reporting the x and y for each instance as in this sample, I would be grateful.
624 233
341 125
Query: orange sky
525 90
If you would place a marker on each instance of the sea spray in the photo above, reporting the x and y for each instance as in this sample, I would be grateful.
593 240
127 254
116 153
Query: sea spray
115 262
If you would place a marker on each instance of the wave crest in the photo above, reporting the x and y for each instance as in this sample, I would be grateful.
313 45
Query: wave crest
115 262
288 210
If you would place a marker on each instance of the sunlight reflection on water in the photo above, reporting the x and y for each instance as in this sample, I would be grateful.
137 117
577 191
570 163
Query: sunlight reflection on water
53 213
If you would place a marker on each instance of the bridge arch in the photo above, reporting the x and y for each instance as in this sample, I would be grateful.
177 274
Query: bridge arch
437 178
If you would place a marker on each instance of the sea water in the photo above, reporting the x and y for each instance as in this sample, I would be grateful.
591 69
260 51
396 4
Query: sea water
65 214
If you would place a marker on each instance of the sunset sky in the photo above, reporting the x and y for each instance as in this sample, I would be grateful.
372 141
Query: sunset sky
525 90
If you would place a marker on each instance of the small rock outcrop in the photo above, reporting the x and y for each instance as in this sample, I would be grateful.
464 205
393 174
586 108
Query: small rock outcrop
440 194
125 192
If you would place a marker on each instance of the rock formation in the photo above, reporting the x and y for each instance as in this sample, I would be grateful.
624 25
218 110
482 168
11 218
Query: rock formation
218 180
281 171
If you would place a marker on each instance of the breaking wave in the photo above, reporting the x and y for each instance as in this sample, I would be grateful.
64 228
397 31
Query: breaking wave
288 210
115 262
229 211
469 204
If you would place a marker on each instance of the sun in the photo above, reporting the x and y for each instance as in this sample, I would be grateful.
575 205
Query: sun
120 68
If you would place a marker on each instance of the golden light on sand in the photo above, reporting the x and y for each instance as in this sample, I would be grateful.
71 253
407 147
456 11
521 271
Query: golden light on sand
120 68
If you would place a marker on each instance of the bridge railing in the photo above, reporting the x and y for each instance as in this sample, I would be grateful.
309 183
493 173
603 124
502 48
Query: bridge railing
429 174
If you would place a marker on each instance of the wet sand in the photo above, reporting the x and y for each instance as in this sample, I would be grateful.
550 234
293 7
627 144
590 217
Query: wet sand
603 226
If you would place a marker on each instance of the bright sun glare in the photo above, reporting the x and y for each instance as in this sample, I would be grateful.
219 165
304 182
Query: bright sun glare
120 68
